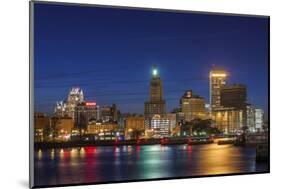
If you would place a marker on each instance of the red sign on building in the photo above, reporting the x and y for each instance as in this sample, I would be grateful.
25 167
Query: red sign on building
91 103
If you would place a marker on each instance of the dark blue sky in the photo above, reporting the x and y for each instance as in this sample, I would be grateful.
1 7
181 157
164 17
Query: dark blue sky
109 53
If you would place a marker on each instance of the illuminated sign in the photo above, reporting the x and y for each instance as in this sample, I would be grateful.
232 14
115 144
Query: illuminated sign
218 75
91 103
156 116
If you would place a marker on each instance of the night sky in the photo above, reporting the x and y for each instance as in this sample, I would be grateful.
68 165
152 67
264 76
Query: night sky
110 52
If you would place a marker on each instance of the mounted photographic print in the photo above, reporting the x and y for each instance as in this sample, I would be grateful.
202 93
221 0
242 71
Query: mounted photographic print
120 94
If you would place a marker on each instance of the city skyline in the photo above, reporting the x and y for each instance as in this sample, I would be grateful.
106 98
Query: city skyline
110 77
125 94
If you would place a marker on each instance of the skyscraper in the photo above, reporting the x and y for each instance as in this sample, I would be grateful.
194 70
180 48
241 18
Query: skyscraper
234 96
75 97
156 87
231 116
217 81
84 113
156 105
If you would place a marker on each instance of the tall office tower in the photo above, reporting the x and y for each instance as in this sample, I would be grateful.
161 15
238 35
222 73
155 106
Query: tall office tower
84 113
156 106
234 96
75 97
193 106
156 92
218 79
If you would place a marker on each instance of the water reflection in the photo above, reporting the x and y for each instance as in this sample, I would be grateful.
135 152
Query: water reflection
52 154
39 154
113 163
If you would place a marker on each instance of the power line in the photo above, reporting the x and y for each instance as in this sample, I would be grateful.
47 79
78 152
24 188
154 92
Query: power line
81 73
116 82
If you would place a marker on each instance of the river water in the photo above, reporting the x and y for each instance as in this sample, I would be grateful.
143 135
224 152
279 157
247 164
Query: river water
105 164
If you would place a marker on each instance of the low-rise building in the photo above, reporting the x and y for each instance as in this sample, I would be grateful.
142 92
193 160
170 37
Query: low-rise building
160 126
134 127
62 128
193 106
109 113
228 120
41 127
172 117
104 131
250 119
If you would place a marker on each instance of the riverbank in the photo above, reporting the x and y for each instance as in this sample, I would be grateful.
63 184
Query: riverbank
69 144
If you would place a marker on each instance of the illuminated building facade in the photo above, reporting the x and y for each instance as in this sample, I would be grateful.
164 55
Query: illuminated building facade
259 115
75 97
156 105
255 118
122 119
208 111
193 106
109 113
134 127
228 103
160 126
228 120
179 115
172 117
233 106
63 127
85 112
103 131
250 120
217 81
41 127
60 109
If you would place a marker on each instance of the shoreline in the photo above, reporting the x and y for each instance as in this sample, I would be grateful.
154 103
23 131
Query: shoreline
70 144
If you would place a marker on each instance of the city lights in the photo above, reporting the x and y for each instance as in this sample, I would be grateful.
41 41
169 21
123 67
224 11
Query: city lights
91 103
128 95
227 112
218 75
